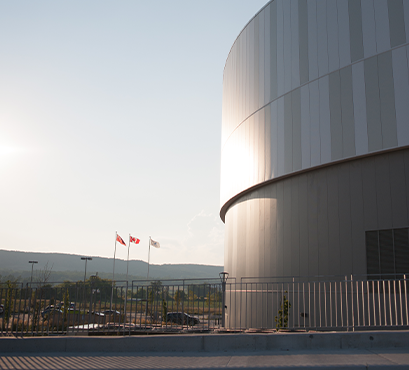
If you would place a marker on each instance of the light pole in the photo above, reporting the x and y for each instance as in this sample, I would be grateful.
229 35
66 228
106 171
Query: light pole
223 277
86 260
32 268
85 275
92 278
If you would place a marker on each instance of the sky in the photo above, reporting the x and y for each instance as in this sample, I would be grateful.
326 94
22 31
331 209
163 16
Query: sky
110 121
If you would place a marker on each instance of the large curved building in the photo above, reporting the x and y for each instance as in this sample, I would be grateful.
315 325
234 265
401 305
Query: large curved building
315 140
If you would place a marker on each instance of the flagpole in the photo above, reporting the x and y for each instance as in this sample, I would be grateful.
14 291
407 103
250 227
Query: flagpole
113 272
149 255
127 262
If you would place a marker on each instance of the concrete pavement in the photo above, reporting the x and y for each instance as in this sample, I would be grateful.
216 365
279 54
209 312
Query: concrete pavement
292 359
353 350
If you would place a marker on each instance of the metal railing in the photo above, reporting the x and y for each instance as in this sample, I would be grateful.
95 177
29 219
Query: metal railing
318 303
296 303
99 307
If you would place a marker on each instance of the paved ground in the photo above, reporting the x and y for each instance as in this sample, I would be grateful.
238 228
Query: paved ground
292 359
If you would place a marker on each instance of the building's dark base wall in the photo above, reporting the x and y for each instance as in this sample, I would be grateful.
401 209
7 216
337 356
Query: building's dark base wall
314 223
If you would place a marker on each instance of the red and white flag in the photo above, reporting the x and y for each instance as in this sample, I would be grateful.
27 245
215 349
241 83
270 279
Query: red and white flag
119 239
134 240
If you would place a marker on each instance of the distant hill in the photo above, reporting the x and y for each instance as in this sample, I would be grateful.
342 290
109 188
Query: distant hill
71 267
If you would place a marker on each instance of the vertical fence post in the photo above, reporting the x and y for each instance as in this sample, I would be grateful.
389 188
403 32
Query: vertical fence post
406 300
352 303
400 302
223 277
346 301
293 287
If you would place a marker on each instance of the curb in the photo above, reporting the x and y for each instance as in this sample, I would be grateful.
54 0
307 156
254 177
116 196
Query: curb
209 342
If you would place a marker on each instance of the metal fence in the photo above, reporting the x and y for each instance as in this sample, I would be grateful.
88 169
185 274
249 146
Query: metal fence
99 308
318 303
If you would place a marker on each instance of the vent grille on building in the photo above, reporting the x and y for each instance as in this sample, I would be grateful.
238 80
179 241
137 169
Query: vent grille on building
387 252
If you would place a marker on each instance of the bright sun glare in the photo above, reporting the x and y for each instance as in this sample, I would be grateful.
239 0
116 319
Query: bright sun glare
7 151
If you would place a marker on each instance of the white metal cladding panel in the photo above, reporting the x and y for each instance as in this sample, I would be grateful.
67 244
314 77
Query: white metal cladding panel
312 39
247 74
267 54
242 146
305 128
305 214
347 112
332 37
267 142
368 28
322 37
252 162
274 139
251 68
241 72
325 129
256 147
315 124
247 142
235 241
280 136
280 48
261 61
295 50
258 63
248 81
406 15
258 155
343 28
302 22
240 79
396 23
401 84
296 119
288 133
332 33
273 51
262 145
287 45
381 26
257 71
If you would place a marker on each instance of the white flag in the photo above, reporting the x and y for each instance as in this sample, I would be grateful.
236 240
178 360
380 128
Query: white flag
155 244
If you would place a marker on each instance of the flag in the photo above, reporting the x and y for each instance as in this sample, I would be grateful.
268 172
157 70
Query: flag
155 244
134 240
119 239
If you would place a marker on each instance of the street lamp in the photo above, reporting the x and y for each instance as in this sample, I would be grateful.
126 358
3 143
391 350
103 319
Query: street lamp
86 260
223 277
32 268
92 278
85 275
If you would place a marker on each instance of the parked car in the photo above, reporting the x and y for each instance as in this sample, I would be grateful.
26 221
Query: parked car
71 306
111 312
181 318
50 309
96 313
